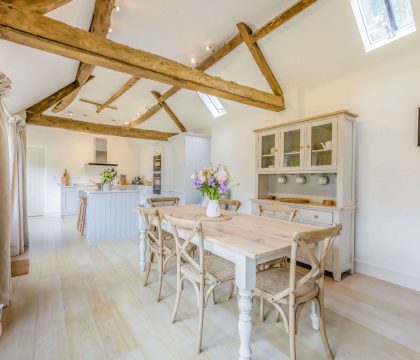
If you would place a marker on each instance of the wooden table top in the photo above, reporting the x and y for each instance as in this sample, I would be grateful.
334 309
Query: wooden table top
253 236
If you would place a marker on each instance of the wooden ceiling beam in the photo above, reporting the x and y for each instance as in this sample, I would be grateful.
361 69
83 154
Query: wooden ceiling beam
168 110
229 46
95 128
39 6
49 101
259 58
121 91
100 24
280 19
95 103
47 34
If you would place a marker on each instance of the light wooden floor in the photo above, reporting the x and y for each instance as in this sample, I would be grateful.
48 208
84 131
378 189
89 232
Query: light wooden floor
87 302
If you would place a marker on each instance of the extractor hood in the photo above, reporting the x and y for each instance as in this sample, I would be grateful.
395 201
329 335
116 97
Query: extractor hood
101 153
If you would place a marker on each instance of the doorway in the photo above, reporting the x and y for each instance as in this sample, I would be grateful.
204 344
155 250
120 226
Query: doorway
35 180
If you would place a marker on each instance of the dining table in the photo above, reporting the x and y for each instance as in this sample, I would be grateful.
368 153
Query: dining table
246 241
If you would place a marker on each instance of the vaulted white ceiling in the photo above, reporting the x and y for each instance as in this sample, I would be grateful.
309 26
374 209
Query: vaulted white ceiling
320 44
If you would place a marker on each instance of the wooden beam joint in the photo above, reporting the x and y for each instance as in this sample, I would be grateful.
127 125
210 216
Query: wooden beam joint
168 110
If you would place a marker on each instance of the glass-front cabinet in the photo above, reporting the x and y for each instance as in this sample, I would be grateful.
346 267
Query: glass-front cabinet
267 151
292 149
321 145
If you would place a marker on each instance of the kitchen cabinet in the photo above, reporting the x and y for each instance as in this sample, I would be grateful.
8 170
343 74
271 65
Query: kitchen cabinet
69 201
181 155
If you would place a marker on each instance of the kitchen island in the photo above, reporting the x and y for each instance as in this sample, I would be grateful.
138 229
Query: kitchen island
110 215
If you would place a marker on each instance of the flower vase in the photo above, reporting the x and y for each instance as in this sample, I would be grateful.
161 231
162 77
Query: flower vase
106 187
213 209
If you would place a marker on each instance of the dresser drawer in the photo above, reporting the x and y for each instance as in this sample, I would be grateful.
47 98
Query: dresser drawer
316 216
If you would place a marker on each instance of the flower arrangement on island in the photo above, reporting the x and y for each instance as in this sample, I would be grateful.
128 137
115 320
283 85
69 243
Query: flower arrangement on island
108 176
212 181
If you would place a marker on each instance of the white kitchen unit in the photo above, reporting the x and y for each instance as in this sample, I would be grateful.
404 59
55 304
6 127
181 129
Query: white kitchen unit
181 155
110 214
316 148
69 198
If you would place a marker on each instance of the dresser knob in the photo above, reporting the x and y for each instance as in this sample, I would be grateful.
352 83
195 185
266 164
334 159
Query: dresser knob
316 216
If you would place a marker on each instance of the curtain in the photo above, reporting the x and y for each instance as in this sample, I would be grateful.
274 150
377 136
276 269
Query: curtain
17 157
5 198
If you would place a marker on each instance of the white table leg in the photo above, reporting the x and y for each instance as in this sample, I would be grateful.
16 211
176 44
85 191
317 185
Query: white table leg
245 280
142 250
245 324
314 316
142 244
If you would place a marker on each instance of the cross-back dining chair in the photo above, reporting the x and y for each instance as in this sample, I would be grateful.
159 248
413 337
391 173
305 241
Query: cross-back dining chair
230 204
275 210
163 201
288 291
160 244
202 271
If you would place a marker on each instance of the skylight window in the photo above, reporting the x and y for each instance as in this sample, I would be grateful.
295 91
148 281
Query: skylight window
213 104
383 21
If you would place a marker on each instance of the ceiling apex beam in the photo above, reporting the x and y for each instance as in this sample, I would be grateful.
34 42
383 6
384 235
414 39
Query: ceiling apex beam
168 110
39 6
259 58
100 24
95 128
49 101
121 91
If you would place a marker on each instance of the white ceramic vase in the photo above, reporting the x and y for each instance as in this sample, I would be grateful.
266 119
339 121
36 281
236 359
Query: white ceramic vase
106 186
213 209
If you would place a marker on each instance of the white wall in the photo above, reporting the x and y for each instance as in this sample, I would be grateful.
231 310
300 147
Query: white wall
72 151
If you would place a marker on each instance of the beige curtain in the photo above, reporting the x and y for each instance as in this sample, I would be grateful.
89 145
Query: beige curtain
17 156
4 197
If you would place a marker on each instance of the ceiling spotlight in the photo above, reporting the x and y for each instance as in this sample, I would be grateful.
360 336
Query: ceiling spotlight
116 8
71 113
126 123
209 48
193 61
138 113
110 30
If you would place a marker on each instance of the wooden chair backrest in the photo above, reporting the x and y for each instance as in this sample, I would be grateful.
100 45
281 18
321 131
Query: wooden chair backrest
190 230
163 201
227 203
273 210
315 245
153 224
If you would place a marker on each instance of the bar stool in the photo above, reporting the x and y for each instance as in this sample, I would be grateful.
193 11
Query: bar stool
81 217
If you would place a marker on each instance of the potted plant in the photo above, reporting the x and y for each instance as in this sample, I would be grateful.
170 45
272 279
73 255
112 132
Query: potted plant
213 182
108 176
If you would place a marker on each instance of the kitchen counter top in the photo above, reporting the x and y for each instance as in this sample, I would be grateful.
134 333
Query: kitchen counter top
113 191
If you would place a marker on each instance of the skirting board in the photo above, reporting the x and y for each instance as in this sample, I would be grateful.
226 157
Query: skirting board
407 280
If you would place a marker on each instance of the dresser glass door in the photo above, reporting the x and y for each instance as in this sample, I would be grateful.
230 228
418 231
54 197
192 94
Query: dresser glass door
268 151
322 144
292 149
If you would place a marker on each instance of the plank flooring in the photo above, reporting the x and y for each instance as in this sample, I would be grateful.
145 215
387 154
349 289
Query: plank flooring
88 302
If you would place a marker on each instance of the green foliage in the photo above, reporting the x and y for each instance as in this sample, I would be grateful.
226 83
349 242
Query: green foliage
109 175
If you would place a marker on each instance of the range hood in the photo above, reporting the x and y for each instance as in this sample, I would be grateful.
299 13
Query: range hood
101 153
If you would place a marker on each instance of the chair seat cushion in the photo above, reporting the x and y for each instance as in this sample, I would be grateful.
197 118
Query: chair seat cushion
274 280
215 266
